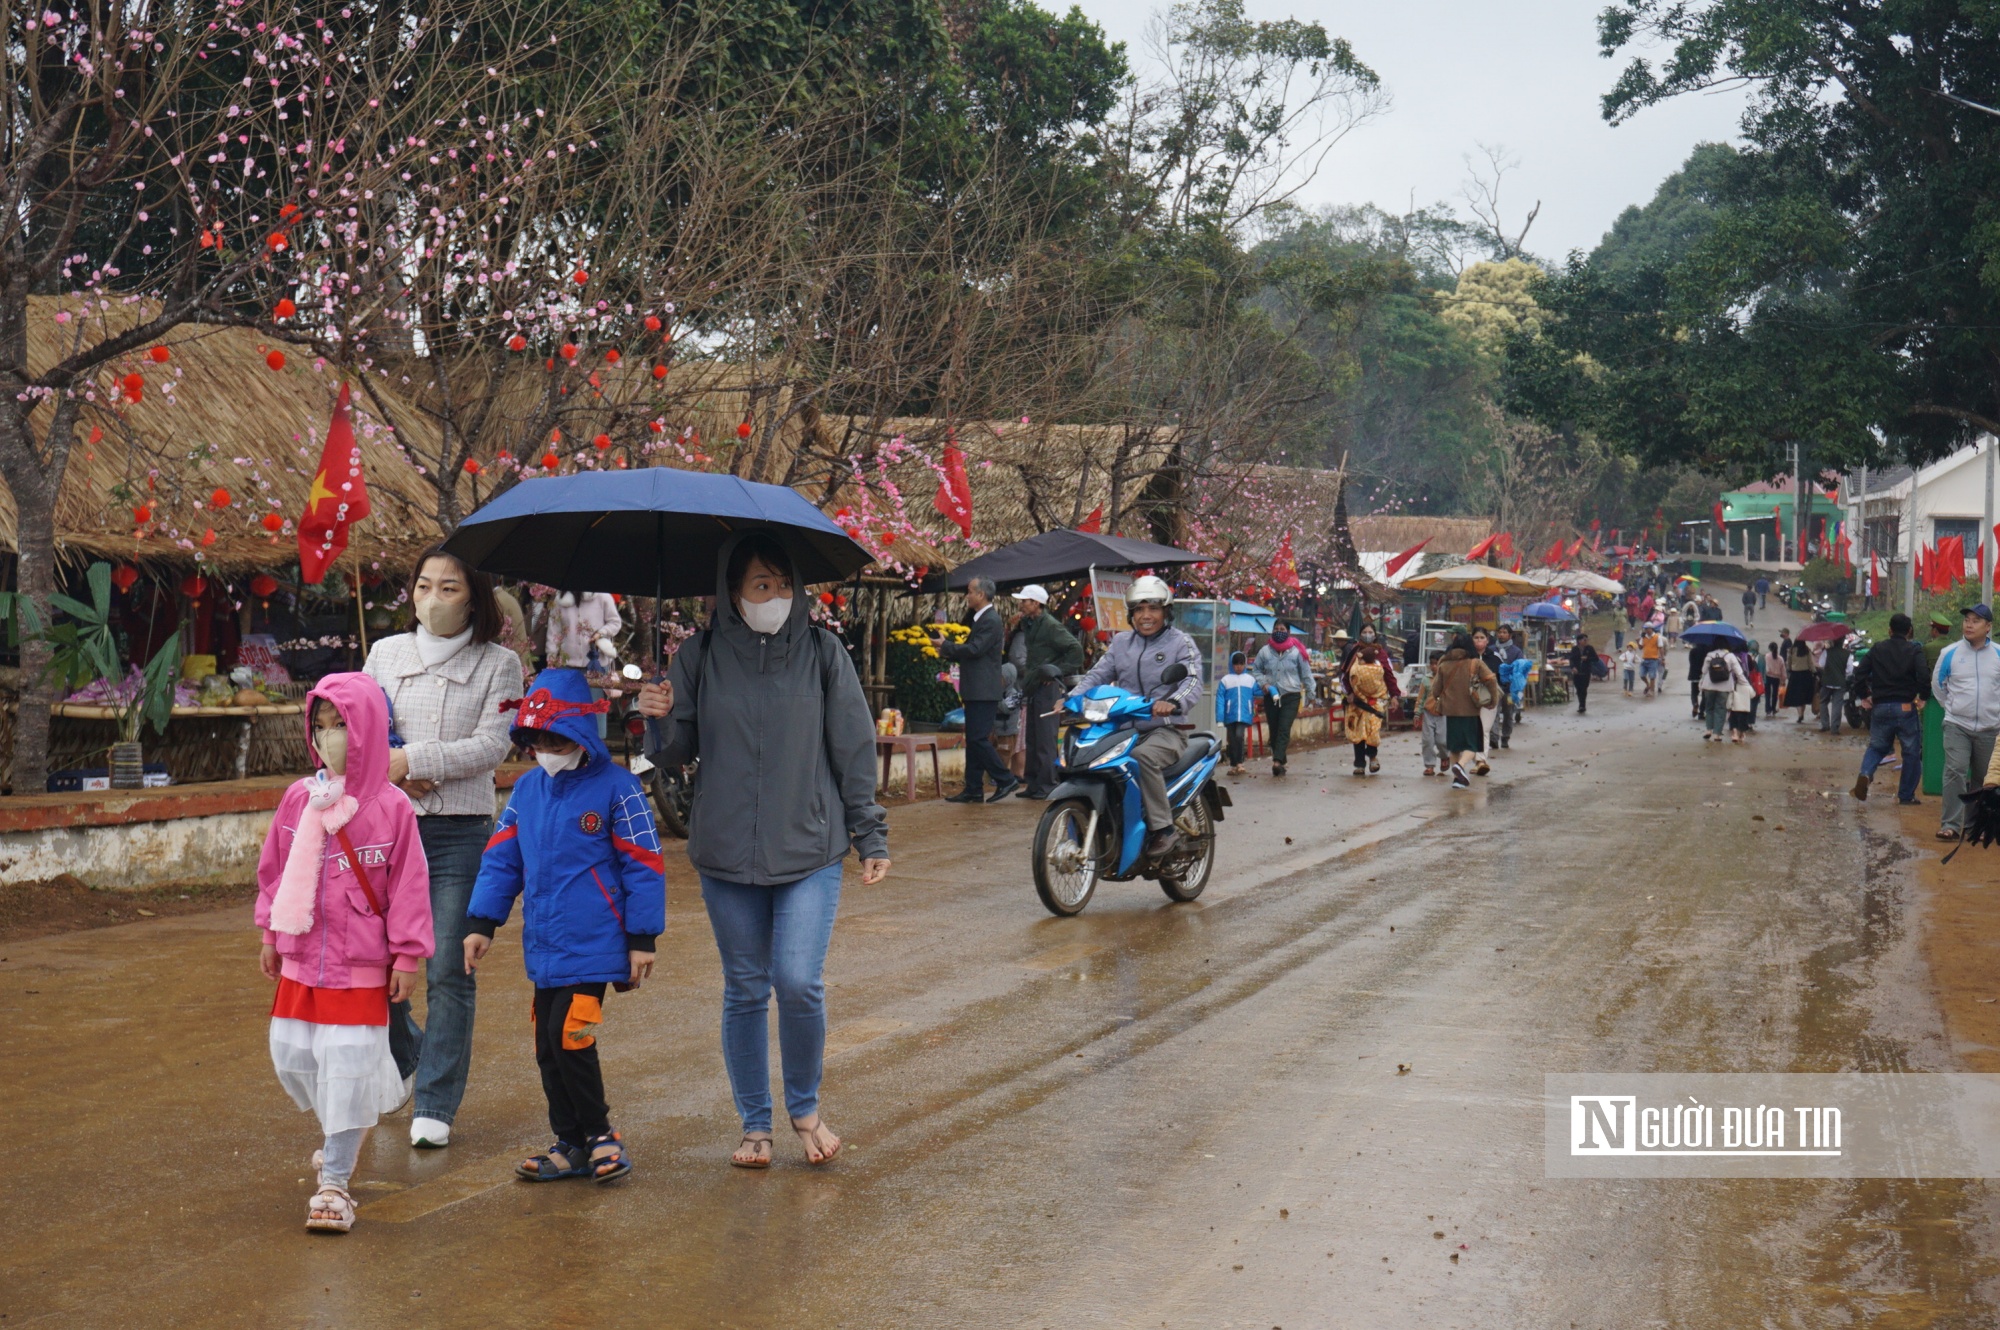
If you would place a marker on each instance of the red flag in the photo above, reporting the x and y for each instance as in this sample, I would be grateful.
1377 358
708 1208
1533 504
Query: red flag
1517 563
1478 552
1095 522
1874 573
1595 535
1395 565
954 493
1954 559
1577 548
1718 514
338 498
1284 568
1555 553
1593 524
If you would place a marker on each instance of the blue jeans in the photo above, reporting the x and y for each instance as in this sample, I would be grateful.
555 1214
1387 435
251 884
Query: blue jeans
773 937
441 1052
1888 722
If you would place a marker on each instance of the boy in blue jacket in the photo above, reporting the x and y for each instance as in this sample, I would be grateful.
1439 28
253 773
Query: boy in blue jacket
1236 707
577 845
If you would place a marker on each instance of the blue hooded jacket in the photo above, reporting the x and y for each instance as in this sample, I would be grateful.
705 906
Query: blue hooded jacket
578 848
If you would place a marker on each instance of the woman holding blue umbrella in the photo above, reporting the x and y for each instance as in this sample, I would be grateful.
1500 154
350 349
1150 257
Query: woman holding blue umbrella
772 707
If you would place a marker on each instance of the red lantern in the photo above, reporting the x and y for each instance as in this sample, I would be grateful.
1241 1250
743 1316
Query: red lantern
142 515
263 584
569 350
1089 624
220 498
656 426
159 355
277 242
193 585
840 602
659 371
208 537
273 523
276 360
652 323
826 598
472 467
517 343
582 277
286 308
602 443
123 576
549 461
134 386
1103 635
743 430
854 533
888 537
611 357
289 211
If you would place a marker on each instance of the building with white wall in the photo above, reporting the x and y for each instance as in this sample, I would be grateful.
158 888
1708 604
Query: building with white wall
1952 496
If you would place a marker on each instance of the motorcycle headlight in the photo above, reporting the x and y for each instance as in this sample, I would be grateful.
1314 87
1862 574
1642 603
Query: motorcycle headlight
1114 752
1097 710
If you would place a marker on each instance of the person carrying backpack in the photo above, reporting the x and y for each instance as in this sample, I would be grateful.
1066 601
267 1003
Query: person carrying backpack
1721 675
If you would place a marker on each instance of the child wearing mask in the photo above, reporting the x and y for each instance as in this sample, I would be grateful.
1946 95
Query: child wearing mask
1236 706
343 899
577 845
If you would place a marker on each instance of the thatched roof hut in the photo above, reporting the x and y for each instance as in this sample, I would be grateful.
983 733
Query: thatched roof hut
216 416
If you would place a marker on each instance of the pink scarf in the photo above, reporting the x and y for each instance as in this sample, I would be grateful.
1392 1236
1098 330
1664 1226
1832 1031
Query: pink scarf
328 808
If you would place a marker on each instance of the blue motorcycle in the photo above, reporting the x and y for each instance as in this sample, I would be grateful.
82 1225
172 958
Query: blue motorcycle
1094 827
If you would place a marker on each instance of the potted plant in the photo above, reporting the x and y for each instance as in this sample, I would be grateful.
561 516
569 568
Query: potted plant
84 648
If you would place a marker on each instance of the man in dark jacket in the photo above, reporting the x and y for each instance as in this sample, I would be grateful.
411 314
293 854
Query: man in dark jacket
1048 643
1898 685
979 688
1697 655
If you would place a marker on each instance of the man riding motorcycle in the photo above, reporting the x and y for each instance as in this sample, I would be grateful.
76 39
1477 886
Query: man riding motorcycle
1135 661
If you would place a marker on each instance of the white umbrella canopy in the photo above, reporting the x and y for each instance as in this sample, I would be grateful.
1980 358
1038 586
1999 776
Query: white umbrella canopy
1576 579
1473 579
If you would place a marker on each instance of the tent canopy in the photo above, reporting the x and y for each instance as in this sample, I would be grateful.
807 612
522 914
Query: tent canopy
1247 618
1060 554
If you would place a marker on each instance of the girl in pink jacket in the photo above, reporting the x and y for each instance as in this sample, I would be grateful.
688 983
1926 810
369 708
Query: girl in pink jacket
343 897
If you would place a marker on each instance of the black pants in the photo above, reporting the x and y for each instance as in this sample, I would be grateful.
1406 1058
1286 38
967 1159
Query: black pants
1774 688
1281 714
566 1022
1237 733
1364 754
1042 747
981 757
1582 690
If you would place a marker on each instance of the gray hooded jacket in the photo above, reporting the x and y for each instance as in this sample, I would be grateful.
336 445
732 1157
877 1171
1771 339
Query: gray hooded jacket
787 747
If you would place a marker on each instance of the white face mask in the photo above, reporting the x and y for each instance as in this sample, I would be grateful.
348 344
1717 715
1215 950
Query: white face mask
443 618
767 616
554 762
332 746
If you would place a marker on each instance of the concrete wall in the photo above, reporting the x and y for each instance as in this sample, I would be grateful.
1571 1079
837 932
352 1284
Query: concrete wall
221 848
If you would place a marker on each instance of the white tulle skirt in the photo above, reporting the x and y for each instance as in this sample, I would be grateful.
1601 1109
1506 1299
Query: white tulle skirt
342 1073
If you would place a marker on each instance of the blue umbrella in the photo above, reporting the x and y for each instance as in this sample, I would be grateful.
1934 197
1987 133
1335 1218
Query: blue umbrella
1547 609
1713 633
655 531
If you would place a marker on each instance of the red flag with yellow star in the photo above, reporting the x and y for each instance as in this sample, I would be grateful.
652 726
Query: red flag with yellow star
339 496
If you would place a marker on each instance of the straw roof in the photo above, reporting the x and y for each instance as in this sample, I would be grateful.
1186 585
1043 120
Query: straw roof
1447 535
215 416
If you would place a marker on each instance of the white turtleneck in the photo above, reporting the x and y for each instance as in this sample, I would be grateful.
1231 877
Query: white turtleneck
434 651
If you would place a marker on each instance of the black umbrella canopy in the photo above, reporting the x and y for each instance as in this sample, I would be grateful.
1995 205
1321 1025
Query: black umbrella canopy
1060 554
652 531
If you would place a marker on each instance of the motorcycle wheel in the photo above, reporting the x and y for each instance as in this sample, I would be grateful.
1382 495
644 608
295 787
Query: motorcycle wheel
672 799
1065 868
1186 874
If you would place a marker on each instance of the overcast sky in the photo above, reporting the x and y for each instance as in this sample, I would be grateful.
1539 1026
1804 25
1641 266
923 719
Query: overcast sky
1525 74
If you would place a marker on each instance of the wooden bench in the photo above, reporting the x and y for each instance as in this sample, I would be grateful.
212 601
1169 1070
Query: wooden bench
909 745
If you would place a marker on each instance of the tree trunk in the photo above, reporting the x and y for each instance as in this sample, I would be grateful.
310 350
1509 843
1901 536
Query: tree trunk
36 526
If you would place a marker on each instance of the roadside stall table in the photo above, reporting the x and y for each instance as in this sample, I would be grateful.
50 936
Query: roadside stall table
201 743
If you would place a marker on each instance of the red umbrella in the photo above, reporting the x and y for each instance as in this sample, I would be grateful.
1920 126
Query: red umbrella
1823 632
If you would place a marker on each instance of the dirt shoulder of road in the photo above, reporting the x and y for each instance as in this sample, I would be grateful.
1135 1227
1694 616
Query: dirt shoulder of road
66 905
1961 937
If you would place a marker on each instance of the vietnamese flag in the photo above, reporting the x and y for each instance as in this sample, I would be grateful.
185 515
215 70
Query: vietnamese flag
1285 568
1555 553
1517 563
1503 544
1478 552
1395 565
338 498
953 500
1575 549
1095 522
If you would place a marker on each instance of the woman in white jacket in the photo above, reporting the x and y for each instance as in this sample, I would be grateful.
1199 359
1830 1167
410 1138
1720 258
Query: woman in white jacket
1721 675
579 625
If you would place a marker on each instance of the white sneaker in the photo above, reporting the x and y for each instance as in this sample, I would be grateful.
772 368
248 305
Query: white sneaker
429 1133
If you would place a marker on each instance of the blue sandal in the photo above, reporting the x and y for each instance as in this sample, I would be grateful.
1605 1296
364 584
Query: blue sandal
605 1168
555 1164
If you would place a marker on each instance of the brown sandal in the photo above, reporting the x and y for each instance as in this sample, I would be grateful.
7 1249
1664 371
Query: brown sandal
810 1137
755 1160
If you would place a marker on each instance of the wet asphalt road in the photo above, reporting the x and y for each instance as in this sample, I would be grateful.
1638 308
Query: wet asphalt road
1150 1115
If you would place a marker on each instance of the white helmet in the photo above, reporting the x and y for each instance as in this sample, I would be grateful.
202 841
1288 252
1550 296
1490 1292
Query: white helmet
1149 588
